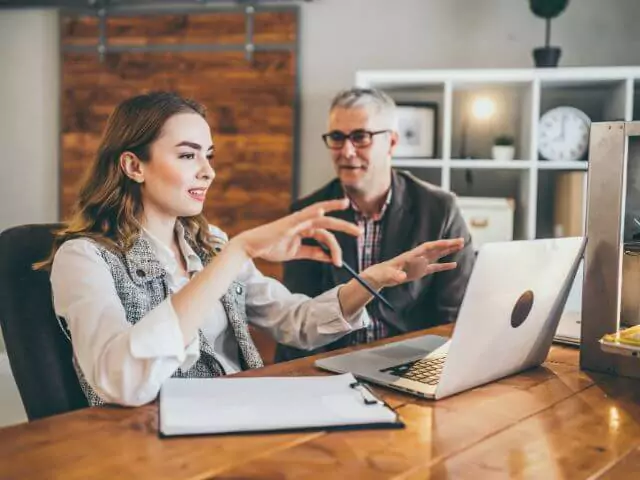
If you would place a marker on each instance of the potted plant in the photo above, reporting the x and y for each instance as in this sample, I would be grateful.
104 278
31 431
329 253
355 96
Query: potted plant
547 56
503 148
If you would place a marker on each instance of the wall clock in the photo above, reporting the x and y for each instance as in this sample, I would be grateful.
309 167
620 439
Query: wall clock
563 134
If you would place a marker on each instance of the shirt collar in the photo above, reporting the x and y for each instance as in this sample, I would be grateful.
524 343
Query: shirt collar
377 216
165 255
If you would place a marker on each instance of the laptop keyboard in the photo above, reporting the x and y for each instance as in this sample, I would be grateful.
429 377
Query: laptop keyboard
426 370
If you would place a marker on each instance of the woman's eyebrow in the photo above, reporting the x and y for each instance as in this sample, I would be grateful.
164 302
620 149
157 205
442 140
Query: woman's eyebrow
193 145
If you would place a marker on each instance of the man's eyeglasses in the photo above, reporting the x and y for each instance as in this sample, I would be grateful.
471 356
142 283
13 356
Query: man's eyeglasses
359 138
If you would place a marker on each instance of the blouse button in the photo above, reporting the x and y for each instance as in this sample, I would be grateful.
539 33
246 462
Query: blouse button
140 272
238 289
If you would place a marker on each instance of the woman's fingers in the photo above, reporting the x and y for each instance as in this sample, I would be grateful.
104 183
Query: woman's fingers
309 252
337 224
329 240
319 209
327 223
329 251
315 216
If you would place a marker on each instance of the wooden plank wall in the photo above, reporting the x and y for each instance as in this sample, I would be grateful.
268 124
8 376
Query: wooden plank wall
250 104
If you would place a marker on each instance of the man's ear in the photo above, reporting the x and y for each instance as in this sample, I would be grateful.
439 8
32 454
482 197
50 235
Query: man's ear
394 139
132 167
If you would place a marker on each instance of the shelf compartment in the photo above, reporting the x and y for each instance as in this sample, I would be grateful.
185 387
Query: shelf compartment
497 183
561 203
472 137
631 201
635 115
431 175
488 219
416 94
602 101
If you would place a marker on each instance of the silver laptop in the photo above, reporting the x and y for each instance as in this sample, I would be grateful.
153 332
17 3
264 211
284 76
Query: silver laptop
507 321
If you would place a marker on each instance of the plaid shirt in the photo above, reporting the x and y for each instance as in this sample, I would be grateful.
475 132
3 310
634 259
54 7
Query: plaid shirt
369 246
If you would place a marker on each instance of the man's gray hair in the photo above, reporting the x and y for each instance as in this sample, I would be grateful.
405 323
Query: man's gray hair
375 101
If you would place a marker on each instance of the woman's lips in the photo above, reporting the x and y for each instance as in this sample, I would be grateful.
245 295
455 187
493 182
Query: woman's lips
197 194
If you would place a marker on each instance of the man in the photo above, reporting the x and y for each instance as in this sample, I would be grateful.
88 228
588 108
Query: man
397 212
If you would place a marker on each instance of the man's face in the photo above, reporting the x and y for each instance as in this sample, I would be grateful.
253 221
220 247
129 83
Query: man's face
364 169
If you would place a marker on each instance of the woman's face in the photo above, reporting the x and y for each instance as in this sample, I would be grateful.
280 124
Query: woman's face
180 168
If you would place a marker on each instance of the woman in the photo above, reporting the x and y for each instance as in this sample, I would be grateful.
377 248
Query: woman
148 290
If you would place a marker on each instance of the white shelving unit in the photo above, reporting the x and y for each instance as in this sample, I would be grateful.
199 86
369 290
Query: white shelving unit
521 97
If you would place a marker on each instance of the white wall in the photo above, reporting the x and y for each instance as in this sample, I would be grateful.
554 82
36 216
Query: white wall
29 116
340 37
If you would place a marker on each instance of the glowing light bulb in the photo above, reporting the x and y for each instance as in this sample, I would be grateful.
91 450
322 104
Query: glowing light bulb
483 108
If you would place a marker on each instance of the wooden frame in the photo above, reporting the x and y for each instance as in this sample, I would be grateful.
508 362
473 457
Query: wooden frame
418 130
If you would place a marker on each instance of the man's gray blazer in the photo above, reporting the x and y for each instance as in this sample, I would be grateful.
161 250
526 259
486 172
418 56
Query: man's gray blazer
418 212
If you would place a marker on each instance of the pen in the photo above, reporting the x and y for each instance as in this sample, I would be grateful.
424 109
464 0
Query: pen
359 279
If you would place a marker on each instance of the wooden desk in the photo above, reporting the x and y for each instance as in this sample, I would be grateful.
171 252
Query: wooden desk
551 422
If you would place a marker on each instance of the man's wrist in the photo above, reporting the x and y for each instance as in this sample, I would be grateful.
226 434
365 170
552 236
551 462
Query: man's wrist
372 281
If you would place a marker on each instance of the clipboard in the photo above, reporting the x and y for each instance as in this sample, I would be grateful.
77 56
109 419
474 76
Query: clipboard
228 405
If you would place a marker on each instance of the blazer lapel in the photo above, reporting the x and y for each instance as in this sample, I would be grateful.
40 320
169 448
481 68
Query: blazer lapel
348 243
398 222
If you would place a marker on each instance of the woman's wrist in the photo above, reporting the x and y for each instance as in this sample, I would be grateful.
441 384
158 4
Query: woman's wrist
240 245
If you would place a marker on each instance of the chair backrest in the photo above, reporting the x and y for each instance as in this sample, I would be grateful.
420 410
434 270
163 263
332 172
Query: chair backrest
39 353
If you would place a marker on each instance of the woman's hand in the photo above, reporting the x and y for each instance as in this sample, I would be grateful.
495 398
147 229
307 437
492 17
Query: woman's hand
281 240
413 264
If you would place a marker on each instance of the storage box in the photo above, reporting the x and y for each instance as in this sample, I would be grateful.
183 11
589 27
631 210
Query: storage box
488 219
569 205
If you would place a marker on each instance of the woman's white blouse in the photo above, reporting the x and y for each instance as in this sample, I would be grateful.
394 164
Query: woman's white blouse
127 364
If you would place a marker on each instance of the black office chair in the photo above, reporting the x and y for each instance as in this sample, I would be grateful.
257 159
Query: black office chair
39 353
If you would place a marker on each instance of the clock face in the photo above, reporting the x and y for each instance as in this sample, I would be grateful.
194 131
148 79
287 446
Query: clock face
563 134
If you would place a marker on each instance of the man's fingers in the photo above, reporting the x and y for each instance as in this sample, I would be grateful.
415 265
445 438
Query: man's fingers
441 267
438 254
436 249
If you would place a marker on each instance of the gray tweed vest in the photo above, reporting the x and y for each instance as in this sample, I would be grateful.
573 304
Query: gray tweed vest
141 284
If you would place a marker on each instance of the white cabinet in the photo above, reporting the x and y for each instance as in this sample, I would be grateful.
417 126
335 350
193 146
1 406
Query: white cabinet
488 219
521 96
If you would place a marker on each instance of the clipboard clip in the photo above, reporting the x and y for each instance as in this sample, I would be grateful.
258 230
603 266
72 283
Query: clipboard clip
367 395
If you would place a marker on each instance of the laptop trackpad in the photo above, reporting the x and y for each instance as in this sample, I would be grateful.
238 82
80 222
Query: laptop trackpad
370 360
410 348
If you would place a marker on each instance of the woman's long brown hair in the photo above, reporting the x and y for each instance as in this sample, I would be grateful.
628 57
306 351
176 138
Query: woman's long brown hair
109 205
